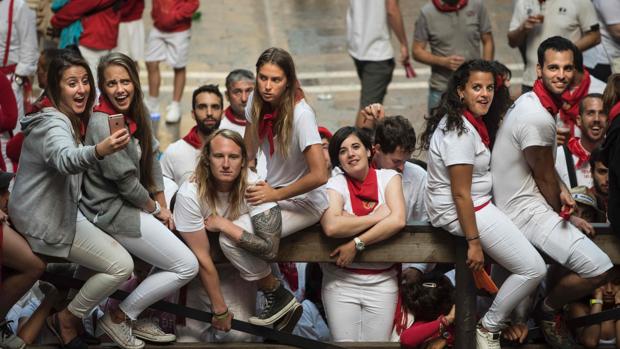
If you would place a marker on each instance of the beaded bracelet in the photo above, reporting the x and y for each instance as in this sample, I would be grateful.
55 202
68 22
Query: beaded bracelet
221 316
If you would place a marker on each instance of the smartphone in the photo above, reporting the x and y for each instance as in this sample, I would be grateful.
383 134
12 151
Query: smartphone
116 122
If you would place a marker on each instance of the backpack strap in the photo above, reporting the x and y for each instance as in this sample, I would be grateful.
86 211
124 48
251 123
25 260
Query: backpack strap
570 165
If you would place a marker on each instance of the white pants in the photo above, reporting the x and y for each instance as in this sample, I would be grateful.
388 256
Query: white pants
159 247
358 311
240 297
563 242
295 217
503 242
131 39
99 252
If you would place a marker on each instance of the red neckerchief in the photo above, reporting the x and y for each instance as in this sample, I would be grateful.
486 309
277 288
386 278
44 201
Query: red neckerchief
37 106
615 111
577 149
443 7
265 125
104 106
479 125
193 138
570 109
364 195
231 117
548 101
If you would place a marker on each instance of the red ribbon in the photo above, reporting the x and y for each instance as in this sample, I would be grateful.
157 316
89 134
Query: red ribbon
577 149
615 111
364 195
104 106
231 117
570 109
443 7
193 138
479 125
548 101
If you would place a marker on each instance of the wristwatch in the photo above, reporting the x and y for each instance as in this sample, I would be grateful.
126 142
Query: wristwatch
157 209
359 244
18 80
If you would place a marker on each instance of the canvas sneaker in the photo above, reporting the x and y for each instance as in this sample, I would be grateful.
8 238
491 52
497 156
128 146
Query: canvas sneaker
8 339
289 320
173 112
277 304
486 339
120 333
149 330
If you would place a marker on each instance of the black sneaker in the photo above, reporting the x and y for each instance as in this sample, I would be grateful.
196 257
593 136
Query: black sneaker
553 328
278 303
287 322
8 339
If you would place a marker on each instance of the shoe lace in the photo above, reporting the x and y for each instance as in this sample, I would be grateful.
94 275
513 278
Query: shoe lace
270 298
126 331
5 330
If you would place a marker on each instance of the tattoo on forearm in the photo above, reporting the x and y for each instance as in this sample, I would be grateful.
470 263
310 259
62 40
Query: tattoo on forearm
267 231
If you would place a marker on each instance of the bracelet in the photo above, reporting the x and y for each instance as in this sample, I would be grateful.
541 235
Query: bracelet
97 155
474 238
157 209
221 316
595 301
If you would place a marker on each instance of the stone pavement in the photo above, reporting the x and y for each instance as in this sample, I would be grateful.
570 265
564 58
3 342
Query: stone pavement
232 34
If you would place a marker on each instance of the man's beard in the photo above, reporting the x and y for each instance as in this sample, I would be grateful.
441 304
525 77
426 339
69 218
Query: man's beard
207 130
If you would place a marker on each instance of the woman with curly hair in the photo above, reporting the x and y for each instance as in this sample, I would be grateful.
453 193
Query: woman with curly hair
458 138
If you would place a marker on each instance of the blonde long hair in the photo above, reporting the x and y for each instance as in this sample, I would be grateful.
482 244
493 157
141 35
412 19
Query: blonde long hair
207 186
283 125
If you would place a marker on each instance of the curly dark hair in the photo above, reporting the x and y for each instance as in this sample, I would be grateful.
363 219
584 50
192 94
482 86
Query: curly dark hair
452 106
428 298
393 132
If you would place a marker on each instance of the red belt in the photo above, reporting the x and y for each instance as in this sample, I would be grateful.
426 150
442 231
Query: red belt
363 271
8 69
480 207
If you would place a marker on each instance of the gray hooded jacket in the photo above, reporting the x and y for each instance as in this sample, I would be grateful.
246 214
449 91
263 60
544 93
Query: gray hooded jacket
44 200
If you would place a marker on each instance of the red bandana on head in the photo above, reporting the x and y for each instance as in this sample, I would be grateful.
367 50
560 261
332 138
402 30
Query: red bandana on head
570 109
548 101
614 112
104 106
577 149
265 125
479 125
364 195
193 138
231 117
443 7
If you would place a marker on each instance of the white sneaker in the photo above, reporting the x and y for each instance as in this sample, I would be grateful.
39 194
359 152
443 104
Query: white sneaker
487 340
120 333
173 112
149 330
152 104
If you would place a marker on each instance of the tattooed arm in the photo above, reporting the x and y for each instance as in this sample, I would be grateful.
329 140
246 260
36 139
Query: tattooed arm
265 241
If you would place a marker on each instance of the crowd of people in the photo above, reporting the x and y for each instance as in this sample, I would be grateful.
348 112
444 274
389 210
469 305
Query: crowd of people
84 182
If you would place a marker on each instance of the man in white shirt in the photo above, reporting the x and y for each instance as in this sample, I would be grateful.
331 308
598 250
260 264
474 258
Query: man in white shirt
180 158
239 86
528 189
572 159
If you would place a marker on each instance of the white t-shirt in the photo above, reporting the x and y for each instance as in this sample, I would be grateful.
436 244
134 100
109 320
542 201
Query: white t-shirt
414 187
448 148
226 124
261 162
525 125
368 32
569 19
338 184
190 211
583 174
608 13
596 85
179 161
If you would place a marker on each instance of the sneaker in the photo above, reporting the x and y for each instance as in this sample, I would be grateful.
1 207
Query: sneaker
8 339
149 330
287 322
486 339
152 104
553 328
120 333
277 304
173 112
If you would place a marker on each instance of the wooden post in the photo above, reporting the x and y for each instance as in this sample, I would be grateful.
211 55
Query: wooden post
465 300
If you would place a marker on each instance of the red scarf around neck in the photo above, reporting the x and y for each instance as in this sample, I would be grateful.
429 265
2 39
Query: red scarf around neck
231 117
105 106
570 109
548 101
443 7
577 149
266 122
193 138
479 125
364 195
614 112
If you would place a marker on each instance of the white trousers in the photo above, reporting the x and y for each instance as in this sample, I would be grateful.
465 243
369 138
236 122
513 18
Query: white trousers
358 311
157 246
504 242
295 217
99 252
